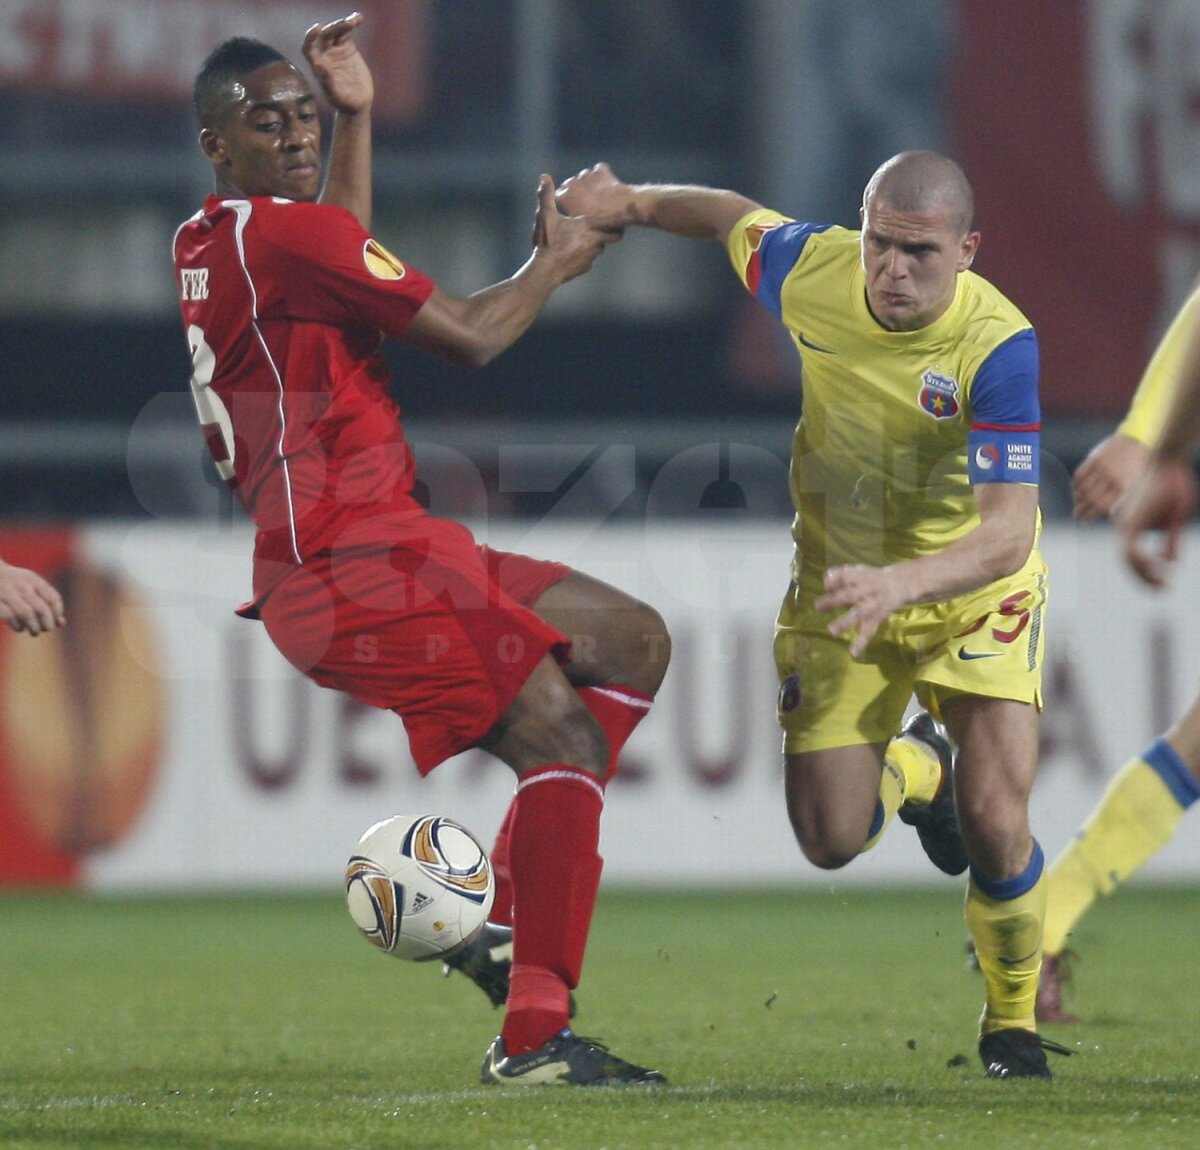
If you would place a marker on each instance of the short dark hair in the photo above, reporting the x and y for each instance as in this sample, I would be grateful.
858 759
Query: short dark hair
917 181
226 64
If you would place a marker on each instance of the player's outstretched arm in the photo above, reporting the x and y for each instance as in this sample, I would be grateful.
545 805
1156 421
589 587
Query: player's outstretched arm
684 210
1164 499
473 331
27 602
346 82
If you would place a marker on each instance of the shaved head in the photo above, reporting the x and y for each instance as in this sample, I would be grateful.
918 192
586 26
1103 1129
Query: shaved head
218 84
923 182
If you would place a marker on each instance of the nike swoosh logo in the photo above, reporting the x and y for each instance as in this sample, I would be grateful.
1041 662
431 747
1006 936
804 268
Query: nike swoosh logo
814 346
963 653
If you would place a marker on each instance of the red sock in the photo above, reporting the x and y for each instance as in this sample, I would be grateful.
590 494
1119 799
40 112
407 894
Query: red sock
555 874
618 710
501 912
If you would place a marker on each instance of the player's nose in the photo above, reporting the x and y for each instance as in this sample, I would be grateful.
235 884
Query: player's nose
296 136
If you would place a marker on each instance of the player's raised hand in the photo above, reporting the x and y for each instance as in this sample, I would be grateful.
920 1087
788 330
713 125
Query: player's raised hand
338 65
1109 470
27 602
596 193
1163 500
573 242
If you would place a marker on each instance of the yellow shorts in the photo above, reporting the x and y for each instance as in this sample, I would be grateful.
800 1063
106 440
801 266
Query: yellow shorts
988 642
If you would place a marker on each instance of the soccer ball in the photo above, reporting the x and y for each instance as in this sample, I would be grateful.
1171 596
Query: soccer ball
419 886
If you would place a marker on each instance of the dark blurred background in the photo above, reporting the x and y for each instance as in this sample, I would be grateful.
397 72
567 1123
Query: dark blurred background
1077 122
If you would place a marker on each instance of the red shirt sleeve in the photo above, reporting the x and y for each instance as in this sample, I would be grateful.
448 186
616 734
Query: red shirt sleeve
327 268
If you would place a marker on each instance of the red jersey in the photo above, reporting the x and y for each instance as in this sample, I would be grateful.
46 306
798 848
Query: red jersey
284 305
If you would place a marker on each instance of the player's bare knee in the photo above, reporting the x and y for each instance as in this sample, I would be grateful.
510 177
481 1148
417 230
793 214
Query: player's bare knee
821 848
991 819
643 650
656 649
826 856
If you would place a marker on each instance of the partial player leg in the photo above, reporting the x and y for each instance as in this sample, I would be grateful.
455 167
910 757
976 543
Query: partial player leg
829 794
616 640
839 716
560 756
1136 817
833 801
620 650
1006 896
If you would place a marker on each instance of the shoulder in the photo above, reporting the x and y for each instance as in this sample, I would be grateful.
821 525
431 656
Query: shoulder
766 248
988 306
782 237
287 219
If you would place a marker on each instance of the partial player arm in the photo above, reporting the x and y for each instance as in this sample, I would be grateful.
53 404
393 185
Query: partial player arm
1164 499
684 210
996 548
474 330
346 81
1115 463
27 602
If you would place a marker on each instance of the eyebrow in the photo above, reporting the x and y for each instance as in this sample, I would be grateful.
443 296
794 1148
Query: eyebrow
906 245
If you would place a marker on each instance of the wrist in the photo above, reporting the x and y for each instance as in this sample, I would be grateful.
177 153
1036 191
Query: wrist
641 205
905 582
1171 452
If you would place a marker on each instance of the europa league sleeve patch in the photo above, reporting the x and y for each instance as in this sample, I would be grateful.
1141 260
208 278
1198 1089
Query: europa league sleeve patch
1003 455
381 263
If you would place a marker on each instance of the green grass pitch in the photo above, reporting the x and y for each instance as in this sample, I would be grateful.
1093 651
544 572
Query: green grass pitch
815 1018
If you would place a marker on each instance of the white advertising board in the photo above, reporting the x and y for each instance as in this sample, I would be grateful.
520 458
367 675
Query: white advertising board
266 780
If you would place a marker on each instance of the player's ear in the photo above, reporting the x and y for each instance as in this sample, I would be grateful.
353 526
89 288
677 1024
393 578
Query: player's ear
213 146
966 254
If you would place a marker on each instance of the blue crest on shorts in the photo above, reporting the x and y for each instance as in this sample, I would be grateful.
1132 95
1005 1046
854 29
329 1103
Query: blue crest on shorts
939 395
789 694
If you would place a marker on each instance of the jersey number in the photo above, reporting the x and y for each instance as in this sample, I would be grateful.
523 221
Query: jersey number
211 410
1010 608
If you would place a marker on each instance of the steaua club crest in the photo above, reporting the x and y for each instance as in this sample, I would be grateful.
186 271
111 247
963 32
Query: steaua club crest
939 395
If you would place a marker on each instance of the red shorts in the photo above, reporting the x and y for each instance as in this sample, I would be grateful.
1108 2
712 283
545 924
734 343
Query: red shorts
430 625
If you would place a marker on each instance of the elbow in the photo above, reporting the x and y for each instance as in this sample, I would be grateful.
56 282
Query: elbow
484 355
473 354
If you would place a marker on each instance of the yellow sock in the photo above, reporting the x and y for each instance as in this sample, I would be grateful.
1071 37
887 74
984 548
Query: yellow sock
1007 931
919 765
891 795
1136 817
911 771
